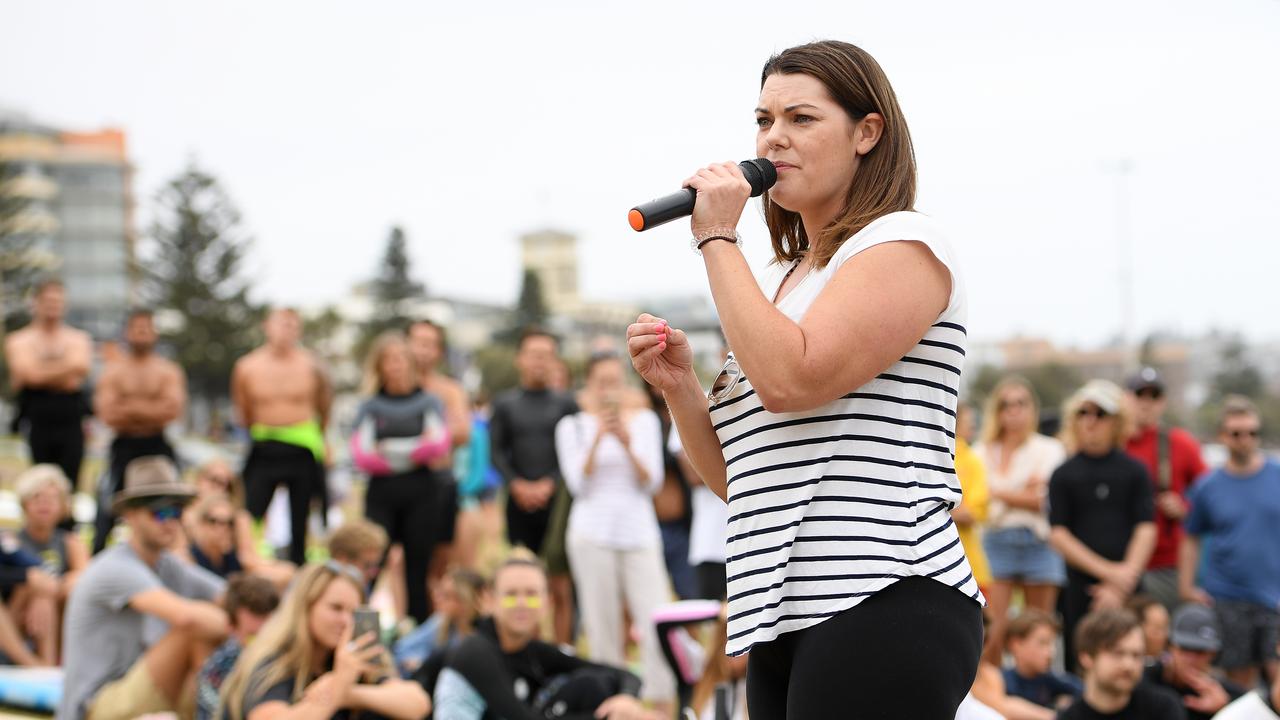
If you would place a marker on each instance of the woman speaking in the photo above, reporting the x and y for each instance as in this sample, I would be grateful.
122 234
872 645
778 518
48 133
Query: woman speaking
830 430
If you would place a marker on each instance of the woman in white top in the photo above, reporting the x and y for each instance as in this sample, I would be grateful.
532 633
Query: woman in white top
611 459
1019 462
831 431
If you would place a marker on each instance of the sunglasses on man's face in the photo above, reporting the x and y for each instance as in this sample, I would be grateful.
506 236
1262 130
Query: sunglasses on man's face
726 381
1149 394
1238 434
163 512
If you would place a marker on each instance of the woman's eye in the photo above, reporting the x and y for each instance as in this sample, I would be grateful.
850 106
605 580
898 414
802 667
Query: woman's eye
762 122
802 119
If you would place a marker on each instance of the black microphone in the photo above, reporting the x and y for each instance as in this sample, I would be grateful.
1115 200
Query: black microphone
759 172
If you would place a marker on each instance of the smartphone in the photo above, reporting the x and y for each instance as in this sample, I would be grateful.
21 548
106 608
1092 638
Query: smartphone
366 621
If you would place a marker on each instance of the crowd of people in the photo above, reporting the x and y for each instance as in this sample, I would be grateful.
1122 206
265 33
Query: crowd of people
177 580
1100 530
1114 528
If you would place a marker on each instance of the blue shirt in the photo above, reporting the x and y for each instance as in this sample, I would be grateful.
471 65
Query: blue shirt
1243 516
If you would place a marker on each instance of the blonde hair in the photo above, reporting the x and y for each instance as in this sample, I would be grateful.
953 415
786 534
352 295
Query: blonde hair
356 537
284 648
372 381
991 430
38 477
1119 431
469 586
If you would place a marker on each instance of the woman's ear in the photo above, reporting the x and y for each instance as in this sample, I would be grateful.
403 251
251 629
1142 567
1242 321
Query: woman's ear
868 132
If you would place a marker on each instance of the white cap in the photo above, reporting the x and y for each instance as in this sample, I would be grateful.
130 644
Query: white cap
1103 393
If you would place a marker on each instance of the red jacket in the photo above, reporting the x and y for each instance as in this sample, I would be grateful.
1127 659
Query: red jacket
1185 465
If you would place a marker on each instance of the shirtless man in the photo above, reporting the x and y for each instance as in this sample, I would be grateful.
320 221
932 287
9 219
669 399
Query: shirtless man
137 396
283 396
48 363
426 343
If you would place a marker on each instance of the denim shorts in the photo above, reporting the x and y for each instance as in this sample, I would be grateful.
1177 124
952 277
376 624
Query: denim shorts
1016 554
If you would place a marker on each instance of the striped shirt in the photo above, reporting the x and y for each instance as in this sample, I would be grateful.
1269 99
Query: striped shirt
829 506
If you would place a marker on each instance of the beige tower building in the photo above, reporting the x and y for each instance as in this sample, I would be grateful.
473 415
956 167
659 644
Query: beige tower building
553 255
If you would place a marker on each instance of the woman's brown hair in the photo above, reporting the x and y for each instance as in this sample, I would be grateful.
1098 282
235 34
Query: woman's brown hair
886 177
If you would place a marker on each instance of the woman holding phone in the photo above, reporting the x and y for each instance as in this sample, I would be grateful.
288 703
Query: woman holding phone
610 454
831 429
307 662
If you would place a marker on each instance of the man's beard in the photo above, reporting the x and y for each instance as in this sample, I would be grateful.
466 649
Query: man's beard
1118 685
1240 457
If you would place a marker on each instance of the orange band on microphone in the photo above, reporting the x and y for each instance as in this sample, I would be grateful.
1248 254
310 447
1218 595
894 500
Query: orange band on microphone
636 219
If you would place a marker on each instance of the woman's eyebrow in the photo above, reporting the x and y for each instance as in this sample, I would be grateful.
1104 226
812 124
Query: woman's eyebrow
789 108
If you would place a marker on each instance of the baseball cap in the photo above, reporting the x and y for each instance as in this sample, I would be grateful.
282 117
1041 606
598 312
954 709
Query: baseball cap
1195 627
1147 377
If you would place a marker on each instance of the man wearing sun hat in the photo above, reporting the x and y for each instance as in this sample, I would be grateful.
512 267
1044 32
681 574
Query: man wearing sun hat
110 670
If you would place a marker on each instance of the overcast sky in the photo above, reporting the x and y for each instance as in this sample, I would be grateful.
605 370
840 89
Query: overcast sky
328 122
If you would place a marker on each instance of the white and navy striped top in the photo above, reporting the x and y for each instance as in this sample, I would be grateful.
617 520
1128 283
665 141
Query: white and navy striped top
831 505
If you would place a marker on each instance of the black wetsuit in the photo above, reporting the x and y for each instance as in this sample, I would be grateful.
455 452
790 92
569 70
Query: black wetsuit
272 463
53 426
522 437
124 450
511 683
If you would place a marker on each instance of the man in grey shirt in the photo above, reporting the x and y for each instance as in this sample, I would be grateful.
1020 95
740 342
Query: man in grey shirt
111 671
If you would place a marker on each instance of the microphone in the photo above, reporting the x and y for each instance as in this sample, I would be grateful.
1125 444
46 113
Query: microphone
759 172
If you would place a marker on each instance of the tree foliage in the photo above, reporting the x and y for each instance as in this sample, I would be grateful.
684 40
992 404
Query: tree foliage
394 291
193 266
17 272
1238 375
530 311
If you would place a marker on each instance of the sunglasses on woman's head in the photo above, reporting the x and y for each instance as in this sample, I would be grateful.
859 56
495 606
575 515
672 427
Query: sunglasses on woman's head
224 522
341 568
726 381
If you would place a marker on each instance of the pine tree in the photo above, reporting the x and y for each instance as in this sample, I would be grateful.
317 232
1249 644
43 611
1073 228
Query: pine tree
193 266
16 270
530 309
394 291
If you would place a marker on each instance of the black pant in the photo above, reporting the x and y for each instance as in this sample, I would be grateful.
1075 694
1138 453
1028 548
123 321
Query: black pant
909 652
407 505
271 464
124 450
1075 603
528 528
712 583
60 444
447 527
